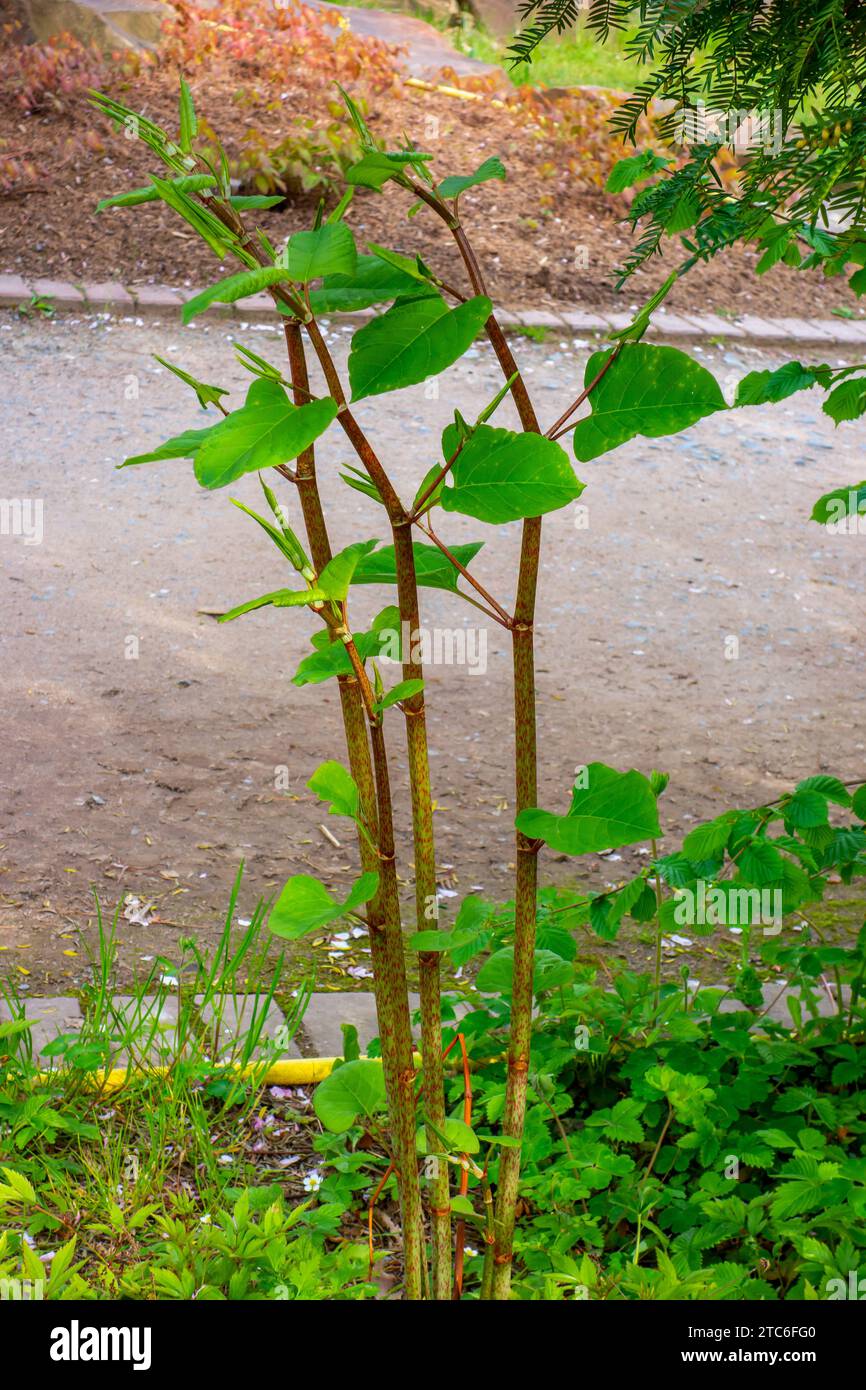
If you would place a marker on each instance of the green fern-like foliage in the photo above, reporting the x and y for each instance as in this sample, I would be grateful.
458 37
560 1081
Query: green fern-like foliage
796 69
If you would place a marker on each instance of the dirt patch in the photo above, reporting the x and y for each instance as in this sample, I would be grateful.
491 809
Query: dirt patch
149 751
549 236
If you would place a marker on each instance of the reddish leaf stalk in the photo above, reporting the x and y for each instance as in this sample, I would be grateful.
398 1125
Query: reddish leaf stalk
373 1200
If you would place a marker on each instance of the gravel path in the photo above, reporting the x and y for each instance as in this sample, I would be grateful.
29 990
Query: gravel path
143 741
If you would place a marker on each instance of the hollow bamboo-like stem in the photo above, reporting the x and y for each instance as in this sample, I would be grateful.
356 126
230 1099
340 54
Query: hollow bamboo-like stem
422 809
386 953
425 905
526 785
389 965
526 872
525 891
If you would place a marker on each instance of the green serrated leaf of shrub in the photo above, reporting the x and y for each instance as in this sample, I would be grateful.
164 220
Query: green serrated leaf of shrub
496 975
763 388
759 863
708 841
805 808
830 787
847 401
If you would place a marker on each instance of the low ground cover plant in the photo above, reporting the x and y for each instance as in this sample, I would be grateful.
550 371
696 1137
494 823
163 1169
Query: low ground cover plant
672 1149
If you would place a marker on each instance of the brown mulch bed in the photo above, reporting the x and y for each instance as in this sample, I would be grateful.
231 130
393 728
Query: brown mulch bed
547 237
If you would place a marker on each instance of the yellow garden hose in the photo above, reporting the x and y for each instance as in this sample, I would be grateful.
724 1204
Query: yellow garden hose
289 1071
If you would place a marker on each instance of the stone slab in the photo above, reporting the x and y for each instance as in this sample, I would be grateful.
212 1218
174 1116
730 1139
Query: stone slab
674 326
108 295
776 993
232 1017
542 318
13 290
51 1017
843 330
159 296
107 23
805 330
60 290
579 322
154 1019
765 330
325 1013
713 326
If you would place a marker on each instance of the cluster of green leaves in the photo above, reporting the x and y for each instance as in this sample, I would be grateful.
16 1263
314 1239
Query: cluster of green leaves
733 871
672 1150
685 1154
798 66
65 1145
642 389
255 1247
846 400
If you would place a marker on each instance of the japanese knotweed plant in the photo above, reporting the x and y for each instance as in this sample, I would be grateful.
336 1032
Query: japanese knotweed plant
493 474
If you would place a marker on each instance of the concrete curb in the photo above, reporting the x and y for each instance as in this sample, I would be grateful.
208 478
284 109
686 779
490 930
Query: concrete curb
154 1020
124 301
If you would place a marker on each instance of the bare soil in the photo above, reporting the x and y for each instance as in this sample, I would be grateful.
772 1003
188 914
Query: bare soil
146 748
549 236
